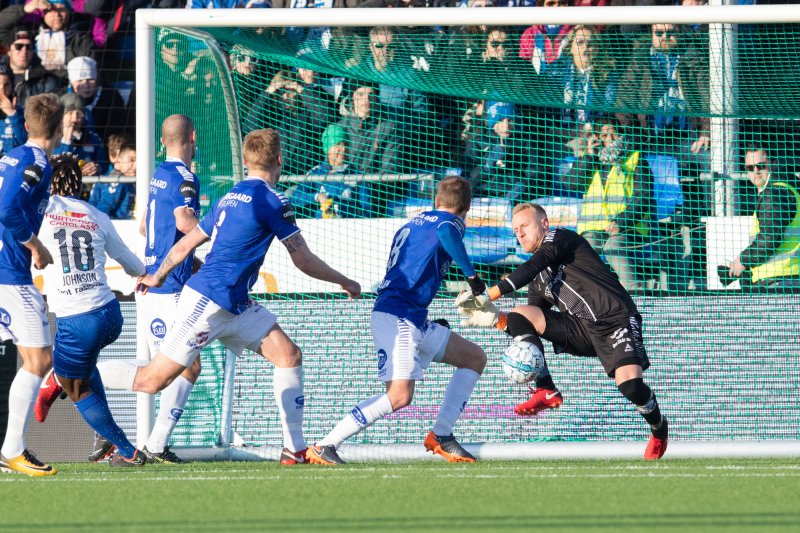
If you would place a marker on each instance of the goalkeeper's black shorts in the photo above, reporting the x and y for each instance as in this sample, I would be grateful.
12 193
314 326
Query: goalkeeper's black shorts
616 341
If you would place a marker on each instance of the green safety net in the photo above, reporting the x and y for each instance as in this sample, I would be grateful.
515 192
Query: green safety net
372 118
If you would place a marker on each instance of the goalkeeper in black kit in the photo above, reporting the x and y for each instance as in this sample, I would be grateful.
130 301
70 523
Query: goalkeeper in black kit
596 316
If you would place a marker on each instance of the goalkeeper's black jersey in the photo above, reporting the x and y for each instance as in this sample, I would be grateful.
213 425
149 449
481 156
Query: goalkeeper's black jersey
566 271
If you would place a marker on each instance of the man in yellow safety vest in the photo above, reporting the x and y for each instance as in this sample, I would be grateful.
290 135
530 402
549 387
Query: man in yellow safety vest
617 210
773 255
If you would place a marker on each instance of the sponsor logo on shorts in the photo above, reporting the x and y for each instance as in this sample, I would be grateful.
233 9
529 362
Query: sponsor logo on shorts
382 357
300 401
175 414
158 328
359 416
5 317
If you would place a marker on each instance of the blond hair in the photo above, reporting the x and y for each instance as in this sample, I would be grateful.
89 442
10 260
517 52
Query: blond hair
454 192
537 209
43 115
262 148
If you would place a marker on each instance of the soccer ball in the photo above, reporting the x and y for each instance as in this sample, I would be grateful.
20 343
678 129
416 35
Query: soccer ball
522 361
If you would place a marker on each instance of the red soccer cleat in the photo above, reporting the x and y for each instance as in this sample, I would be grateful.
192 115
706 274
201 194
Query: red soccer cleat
290 458
540 400
49 391
656 447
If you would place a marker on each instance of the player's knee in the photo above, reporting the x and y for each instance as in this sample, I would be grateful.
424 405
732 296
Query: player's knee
193 372
291 358
522 324
476 360
636 391
400 398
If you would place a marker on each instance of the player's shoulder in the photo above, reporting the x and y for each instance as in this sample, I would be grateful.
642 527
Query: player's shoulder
176 170
445 218
24 158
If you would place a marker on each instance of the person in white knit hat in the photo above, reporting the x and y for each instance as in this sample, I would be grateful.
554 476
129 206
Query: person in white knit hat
105 111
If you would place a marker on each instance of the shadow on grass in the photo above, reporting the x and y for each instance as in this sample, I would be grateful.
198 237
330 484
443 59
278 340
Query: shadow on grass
588 521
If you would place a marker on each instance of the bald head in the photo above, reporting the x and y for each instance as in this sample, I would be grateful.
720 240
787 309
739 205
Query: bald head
176 131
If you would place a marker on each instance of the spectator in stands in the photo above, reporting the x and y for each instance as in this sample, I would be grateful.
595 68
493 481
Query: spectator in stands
295 105
105 110
13 120
30 77
335 198
79 139
495 47
60 37
773 256
370 137
617 211
497 162
116 199
668 74
544 43
174 55
585 79
113 144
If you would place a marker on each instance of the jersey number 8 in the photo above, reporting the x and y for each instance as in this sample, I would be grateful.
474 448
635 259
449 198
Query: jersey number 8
399 241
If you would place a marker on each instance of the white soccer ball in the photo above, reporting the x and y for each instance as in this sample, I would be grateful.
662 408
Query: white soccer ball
522 361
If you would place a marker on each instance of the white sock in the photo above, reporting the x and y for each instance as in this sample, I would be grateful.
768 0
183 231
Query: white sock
455 399
21 397
119 374
288 386
173 400
362 416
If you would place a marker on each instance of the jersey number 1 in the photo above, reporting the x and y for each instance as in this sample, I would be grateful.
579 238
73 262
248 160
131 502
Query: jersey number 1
81 241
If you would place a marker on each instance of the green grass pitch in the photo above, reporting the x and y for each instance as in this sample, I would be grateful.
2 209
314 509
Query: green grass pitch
672 495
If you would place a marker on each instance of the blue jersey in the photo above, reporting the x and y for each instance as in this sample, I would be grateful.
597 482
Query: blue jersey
417 265
173 185
24 191
241 225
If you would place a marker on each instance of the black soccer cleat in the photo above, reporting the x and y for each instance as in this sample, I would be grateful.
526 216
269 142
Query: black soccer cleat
166 457
138 459
323 455
101 449
448 447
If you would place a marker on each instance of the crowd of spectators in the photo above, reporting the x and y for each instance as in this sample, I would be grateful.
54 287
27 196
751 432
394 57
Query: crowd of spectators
608 96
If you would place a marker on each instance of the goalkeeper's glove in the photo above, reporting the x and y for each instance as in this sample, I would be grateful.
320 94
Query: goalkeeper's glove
467 300
486 317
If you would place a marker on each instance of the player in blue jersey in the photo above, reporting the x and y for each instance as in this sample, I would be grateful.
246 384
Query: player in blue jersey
405 341
172 210
88 317
215 302
24 191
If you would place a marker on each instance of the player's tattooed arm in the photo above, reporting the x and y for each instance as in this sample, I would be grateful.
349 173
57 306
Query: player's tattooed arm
179 252
294 243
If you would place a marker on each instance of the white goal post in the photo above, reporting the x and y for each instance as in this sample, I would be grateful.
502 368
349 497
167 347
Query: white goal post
721 19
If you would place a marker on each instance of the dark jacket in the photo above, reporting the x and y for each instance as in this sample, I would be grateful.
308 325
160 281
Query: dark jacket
775 209
35 80
371 144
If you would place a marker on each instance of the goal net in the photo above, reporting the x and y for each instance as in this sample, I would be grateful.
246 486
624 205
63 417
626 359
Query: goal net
658 119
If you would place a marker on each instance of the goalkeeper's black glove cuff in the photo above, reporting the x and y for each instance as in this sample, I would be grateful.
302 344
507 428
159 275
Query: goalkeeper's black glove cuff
476 285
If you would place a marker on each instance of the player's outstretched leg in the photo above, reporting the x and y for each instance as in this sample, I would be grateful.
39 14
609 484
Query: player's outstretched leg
360 417
14 455
545 395
469 360
644 399
171 404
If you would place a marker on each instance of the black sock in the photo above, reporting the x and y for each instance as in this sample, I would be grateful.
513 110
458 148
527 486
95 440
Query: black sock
644 399
518 326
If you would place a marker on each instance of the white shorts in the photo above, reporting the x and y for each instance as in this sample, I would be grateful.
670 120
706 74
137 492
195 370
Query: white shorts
203 321
23 317
404 351
155 314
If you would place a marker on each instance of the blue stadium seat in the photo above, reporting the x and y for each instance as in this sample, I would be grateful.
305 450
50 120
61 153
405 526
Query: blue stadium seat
490 244
666 184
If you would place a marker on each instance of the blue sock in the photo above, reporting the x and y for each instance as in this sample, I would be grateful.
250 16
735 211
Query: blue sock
94 410
96 384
